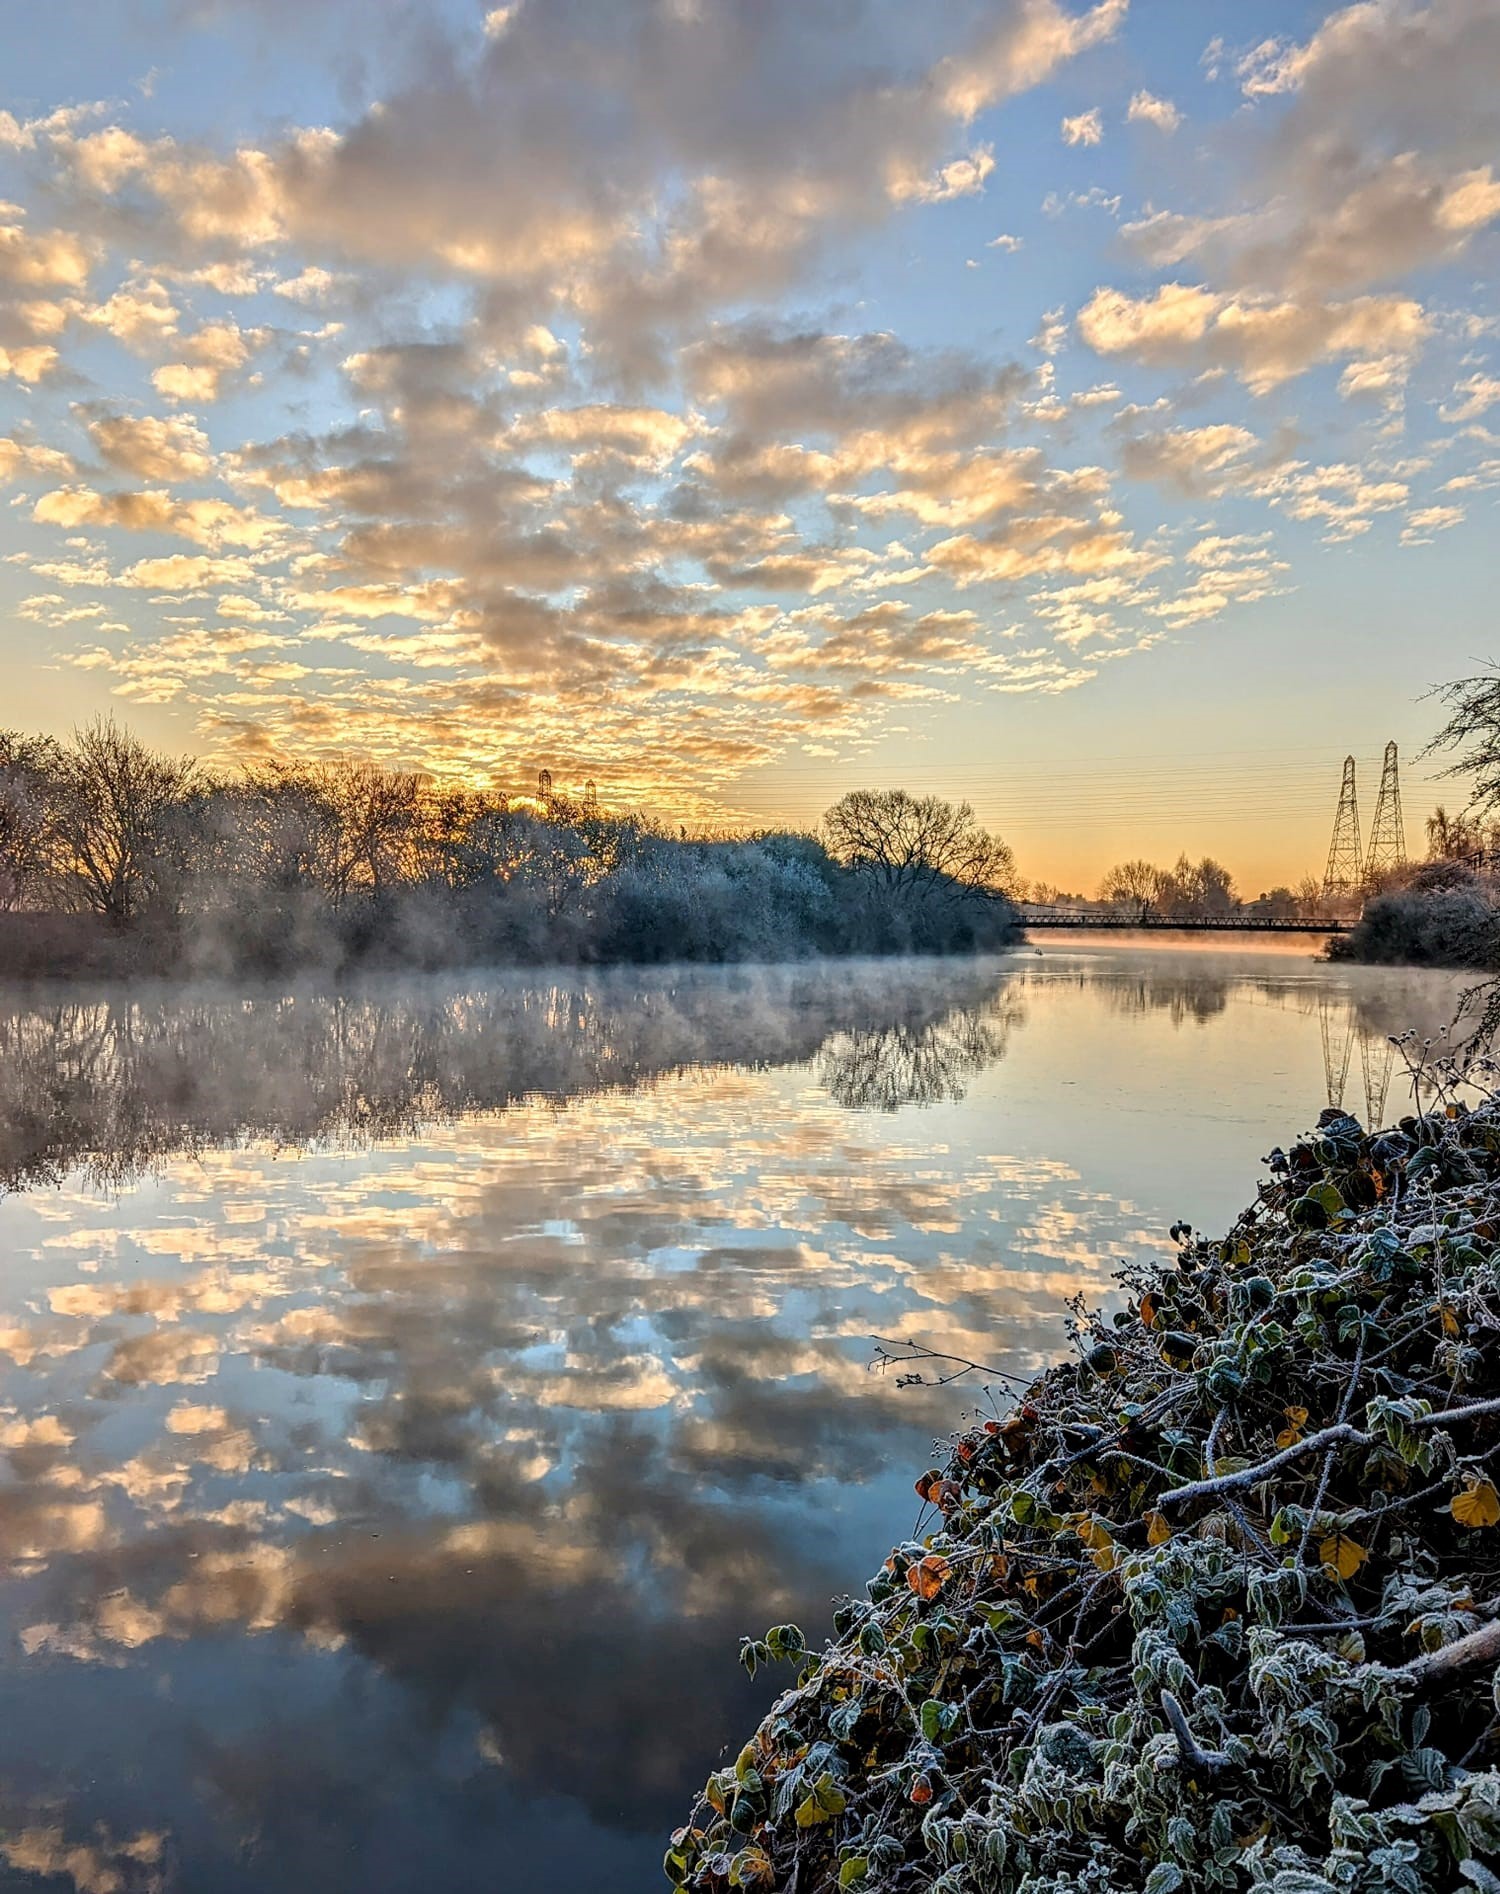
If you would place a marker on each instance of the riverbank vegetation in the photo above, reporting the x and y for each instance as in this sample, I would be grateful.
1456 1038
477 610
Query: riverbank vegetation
1445 911
117 859
1213 1605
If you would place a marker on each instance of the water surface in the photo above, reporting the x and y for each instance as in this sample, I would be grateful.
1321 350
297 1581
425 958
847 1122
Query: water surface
408 1398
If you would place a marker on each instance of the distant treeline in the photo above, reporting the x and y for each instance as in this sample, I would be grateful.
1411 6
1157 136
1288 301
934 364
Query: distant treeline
115 858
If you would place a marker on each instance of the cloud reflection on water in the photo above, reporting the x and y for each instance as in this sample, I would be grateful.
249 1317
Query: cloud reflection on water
395 1461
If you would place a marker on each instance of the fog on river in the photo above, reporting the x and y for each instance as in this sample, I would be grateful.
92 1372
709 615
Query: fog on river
408 1397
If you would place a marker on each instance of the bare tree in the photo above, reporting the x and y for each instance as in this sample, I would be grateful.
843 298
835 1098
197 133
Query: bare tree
1473 731
336 827
115 800
1456 837
29 771
1134 887
918 847
1309 893
1200 890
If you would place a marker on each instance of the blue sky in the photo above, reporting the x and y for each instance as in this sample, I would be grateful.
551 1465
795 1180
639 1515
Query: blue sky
1085 409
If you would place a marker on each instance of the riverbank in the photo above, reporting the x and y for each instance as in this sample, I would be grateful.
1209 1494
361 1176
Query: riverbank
717 920
1180 1615
1448 915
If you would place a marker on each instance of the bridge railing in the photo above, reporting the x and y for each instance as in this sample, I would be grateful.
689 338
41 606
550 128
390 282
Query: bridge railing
1035 915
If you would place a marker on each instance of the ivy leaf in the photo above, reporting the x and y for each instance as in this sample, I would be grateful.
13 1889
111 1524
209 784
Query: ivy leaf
1296 1422
1157 1530
927 1575
752 1867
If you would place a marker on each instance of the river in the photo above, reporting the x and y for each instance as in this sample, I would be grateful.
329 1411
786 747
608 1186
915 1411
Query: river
408 1398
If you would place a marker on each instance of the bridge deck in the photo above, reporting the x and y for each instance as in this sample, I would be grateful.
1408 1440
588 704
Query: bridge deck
1209 924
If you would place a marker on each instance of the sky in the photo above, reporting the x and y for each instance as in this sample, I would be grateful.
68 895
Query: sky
1087 410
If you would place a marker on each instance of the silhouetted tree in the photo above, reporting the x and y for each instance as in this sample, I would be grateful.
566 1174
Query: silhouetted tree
29 773
917 846
1134 887
115 797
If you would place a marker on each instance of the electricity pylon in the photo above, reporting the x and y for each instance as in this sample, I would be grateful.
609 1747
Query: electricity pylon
1387 831
1345 870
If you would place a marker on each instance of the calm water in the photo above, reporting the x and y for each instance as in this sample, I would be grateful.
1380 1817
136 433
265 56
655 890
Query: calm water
408 1399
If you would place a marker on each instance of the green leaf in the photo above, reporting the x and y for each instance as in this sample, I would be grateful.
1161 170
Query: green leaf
828 1795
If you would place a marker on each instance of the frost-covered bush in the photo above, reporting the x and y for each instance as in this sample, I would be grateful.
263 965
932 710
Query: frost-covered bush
1214 1606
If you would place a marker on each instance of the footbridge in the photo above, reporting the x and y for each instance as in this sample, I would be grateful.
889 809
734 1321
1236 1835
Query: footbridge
1108 920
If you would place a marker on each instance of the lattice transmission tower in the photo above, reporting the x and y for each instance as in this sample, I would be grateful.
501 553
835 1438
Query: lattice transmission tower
1345 870
1387 831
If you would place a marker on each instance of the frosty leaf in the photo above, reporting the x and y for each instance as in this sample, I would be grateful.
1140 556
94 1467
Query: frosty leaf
1342 1555
1477 1505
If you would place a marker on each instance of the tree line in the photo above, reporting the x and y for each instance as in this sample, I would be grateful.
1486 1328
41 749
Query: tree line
1188 890
115 855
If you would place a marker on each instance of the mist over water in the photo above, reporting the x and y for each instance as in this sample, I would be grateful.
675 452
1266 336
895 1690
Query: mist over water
409 1396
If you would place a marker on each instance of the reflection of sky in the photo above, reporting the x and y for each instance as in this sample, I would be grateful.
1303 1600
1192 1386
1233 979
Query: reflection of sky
376 1515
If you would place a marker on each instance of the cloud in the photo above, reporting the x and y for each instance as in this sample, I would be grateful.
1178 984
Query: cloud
1263 342
204 522
960 177
28 364
1342 497
172 449
1422 522
1192 461
1087 128
312 285
1027 44
1146 109
40 260
141 314
210 354
186 572
728 144
18 459
1473 396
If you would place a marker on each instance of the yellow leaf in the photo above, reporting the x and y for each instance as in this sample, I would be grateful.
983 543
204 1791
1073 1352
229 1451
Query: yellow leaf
1341 1555
1477 1505
1157 1530
1148 1310
1450 1320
